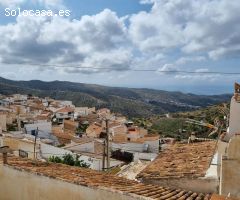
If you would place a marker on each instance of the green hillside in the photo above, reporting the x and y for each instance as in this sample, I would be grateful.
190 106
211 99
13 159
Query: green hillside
128 101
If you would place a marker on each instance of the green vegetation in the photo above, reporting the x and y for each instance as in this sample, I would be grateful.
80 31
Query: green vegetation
208 114
68 159
168 126
61 145
12 127
175 126
127 101
82 128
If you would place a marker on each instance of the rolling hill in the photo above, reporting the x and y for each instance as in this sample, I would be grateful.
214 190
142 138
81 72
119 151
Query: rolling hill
128 101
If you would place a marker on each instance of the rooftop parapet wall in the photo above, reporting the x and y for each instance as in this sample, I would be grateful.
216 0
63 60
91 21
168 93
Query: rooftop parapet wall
234 125
22 185
29 180
230 173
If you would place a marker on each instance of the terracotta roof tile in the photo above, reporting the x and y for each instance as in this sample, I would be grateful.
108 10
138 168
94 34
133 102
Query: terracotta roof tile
95 179
65 110
181 160
221 197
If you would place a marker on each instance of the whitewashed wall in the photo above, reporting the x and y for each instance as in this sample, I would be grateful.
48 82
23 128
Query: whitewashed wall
144 156
234 125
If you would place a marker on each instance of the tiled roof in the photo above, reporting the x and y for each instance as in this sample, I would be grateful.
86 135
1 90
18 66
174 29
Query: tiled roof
180 161
59 133
94 129
220 197
82 140
65 110
63 135
95 179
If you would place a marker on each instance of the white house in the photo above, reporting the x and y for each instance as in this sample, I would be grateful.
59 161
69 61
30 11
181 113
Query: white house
234 125
44 131
80 111
3 122
64 113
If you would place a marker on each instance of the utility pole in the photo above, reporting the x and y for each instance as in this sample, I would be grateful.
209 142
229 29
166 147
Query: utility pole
108 151
104 155
35 141
18 118
18 123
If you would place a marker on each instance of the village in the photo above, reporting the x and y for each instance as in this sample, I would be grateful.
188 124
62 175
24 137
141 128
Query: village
42 128
124 160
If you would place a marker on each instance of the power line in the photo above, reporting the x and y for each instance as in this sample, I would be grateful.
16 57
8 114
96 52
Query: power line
135 70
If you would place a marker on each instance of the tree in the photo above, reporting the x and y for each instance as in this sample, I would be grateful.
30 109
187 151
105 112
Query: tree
68 159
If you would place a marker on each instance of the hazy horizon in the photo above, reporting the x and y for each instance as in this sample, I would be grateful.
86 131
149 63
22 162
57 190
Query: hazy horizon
181 43
170 88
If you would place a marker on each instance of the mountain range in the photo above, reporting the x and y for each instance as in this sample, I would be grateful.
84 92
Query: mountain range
132 102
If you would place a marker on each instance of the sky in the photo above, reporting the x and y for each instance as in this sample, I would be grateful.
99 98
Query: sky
109 42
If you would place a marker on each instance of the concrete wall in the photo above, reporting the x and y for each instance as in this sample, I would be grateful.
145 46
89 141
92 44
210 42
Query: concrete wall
16 144
63 115
217 160
80 111
230 179
234 125
45 129
144 156
136 147
48 150
45 151
153 146
233 151
85 147
147 146
3 122
230 169
66 103
21 185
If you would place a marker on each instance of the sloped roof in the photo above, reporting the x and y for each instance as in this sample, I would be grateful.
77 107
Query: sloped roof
181 161
221 197
94 128
98 180
65 110
59 133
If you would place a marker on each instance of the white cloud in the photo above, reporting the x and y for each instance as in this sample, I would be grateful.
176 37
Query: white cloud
98 41
229 51
147 1
199 75
203 26
150 32
46 3
184 60
51 3
171 32
9 75
168 69
11 3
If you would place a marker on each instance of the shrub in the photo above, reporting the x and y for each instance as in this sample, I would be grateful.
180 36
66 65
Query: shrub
68 159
